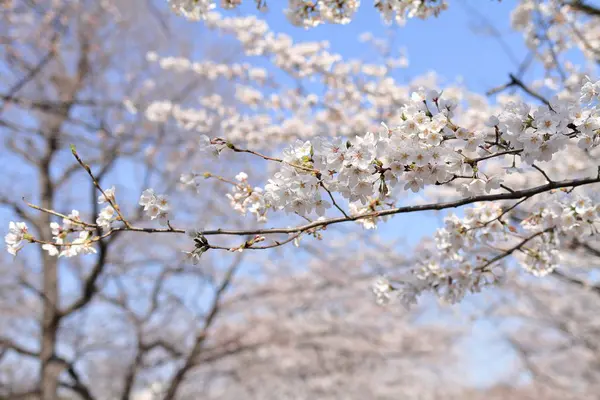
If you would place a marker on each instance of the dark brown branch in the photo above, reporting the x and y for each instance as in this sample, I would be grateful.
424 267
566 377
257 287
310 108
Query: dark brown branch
516 82
9 344
541 171
514 195
77 386
89 285
587 247
579 5
511 195
574 281
159 343
214 309
32 73
333 200
96 183
508 252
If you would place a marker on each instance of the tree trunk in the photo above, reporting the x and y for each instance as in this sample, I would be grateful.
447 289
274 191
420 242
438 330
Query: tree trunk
49 368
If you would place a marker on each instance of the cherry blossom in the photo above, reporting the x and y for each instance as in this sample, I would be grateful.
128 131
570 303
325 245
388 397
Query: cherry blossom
309 14
108 196
17 232
106 217
155 206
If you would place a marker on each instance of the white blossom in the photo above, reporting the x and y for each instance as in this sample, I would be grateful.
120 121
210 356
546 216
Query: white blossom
17 231
108 196
155 206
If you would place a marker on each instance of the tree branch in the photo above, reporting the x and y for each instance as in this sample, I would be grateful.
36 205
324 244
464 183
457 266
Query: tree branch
574 281
9 344
190 361
579 5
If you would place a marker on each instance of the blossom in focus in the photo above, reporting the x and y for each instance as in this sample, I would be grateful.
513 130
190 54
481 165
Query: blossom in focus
17 232
155 206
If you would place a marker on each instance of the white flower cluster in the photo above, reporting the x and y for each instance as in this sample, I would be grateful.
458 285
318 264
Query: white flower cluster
373 206
211 70
426 148
572 216
400 10
192 9
471 252
553 27
383 289
545 131
454 268
462 246
367 167
108 214
15 236
480 224
569 218
155 205
71 225
311 13
385 292
81 245
354 95
244 198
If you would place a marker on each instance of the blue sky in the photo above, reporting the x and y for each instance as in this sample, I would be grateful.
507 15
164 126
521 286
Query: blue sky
455 44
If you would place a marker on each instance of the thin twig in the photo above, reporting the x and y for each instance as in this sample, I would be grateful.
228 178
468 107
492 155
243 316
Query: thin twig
514 81
333 200
542 172
279 160
508 252
108 199
55 213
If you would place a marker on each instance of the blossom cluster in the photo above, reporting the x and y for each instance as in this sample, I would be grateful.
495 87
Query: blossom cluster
108 214
368 222
311 13
426 148
469 251
244 198
211 70
155 205
553 27
561 220
355 94
17 232
61 246
399 11
80 245
192 9
460 264
71 224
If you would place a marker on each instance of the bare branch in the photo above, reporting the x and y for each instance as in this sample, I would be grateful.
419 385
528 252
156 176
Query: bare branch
190 361
514 81
9 344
